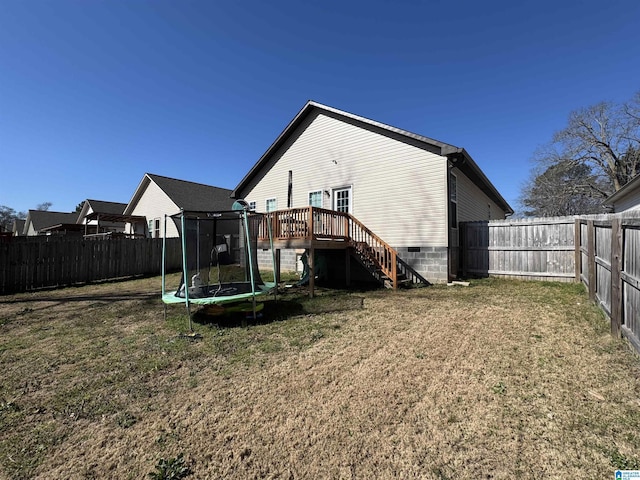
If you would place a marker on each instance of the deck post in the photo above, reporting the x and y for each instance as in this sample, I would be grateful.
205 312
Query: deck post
312 271
310 224
394 269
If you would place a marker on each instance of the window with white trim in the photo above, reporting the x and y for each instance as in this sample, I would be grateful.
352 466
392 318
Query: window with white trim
342 200
150 229
271 205
252 206
156 229
315 199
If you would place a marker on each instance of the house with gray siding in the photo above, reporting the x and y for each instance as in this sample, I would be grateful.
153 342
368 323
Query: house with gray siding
157 196
410 190
627 198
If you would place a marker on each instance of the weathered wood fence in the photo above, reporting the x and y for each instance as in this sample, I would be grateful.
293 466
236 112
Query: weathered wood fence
602 251
609 264
535 249
29 263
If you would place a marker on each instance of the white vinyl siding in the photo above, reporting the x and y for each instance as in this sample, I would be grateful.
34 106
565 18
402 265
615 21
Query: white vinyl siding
399 191
473 203
153 204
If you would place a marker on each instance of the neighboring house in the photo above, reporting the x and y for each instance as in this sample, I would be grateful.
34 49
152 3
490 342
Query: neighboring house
410 190
18 227
101 217
157 196
627 198
44 222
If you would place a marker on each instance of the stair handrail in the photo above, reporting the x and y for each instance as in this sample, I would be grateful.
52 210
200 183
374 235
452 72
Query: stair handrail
407 269
302 223
387 261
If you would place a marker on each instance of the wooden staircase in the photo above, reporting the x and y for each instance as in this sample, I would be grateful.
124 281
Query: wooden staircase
312 227
380 259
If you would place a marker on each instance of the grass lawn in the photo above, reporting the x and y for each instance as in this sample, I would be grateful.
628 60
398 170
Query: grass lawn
502 379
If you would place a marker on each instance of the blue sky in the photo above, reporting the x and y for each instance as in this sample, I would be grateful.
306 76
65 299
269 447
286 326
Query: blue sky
93 94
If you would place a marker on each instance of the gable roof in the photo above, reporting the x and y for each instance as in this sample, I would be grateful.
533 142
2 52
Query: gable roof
41 219
184 194
627 189
18 226
458 156
100 206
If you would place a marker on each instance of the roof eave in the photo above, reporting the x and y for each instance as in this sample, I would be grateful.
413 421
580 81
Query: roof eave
135 198
460 159
623 192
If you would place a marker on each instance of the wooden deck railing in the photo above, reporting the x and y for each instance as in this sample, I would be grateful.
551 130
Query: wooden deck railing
312 223
375 248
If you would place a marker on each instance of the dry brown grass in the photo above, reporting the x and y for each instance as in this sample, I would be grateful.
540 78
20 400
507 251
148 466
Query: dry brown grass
498 380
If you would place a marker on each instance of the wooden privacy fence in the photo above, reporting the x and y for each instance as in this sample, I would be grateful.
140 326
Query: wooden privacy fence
535 249
609 264
602 251
29 263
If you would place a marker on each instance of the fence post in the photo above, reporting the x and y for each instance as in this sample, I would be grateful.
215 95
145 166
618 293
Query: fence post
591 259
462 241
577 240
616 277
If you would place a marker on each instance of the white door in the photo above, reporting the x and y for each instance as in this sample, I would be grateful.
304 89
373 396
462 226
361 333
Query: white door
342 199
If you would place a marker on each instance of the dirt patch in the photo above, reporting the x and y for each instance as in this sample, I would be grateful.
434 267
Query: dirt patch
497 380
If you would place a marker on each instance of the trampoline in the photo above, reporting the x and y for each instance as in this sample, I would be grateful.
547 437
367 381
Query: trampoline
219 260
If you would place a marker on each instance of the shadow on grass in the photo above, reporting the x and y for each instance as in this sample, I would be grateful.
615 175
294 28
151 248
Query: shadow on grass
285 307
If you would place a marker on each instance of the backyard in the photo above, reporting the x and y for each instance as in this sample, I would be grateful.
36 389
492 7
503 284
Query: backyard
501 379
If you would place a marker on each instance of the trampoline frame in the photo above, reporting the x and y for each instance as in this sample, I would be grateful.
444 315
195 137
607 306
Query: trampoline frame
240 208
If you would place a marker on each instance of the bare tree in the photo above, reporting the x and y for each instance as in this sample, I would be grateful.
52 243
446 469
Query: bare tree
595 155
7 216
564 188
600 137
44 206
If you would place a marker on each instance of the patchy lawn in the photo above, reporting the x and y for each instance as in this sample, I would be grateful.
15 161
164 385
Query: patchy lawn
497 380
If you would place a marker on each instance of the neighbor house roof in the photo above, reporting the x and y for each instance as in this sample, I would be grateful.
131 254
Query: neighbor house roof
101 207
41 219
629 188
18 226
459 156
186 195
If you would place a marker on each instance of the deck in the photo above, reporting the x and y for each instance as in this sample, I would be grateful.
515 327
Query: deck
318 228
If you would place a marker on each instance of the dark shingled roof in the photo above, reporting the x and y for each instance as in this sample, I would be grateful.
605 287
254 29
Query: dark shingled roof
194 196
42 218
100 206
